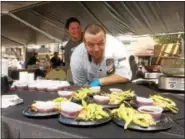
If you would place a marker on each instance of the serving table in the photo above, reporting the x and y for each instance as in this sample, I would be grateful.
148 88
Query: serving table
16 125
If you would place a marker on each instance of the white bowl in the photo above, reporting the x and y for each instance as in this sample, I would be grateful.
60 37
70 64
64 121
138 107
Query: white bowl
64 85
95 89
52 88
21 85
32 86
66 94
142 101
101 99
115 90
41 87
43 106
155 111
70 109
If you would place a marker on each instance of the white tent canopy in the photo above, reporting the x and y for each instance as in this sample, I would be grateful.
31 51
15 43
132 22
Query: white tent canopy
25 23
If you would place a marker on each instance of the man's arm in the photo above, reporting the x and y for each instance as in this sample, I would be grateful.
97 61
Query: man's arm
112 79
122 75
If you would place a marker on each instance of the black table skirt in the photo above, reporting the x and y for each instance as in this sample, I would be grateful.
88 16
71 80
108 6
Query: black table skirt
34 128
4 84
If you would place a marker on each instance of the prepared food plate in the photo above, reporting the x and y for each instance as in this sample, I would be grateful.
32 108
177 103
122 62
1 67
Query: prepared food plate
84 94
129 118
167 104
83 115
114 99
44 108
30 113
164 124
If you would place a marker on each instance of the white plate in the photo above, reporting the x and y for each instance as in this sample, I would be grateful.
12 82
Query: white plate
144 100
65 93
95 89
70 107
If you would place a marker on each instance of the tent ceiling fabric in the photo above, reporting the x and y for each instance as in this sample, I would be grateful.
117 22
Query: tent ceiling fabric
116 17
10 6
8 42
16 31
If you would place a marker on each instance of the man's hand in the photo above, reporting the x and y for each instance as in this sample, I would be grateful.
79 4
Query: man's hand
95 83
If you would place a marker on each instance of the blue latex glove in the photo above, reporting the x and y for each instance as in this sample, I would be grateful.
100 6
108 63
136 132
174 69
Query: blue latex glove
95 83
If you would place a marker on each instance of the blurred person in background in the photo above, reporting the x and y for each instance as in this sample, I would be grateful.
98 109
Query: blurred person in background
73 28
33 59
47 58
56 61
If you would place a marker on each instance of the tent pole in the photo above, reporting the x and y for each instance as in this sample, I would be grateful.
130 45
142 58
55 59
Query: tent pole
24 54
11 40
35 28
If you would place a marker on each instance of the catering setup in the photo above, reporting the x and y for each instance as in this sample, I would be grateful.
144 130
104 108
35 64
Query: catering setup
40 98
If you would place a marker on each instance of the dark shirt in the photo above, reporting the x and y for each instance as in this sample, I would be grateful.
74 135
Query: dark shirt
69 48
56 62
32 60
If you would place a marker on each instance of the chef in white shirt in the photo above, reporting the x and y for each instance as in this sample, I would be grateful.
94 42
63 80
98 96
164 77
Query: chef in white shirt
100 60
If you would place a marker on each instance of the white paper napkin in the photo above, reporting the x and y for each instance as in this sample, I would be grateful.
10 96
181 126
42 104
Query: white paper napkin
10 100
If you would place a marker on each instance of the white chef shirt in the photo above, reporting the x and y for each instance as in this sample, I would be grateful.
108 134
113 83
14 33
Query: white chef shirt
116 61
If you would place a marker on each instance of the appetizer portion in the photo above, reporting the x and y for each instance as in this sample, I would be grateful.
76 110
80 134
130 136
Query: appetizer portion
59 100
155 111
131 116
165 103
119 97
84 112
92 112
83 93
48 106
42 106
